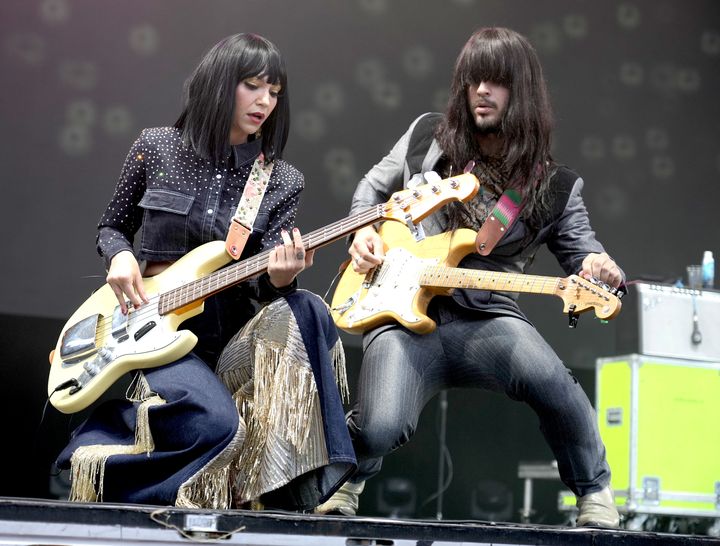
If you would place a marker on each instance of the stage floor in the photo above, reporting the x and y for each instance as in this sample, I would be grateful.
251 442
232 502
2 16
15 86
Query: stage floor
31 521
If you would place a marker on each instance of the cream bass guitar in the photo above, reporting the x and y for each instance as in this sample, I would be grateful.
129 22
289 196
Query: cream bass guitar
413 272
99 344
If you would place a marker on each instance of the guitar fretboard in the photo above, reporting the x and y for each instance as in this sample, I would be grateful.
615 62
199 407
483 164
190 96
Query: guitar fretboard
454 277
405 205
202 288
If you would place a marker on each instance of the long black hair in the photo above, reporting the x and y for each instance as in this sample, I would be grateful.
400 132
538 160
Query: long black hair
503 56
206 119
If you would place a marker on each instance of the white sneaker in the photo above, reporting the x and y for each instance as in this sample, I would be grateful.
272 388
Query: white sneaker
344 501
598 510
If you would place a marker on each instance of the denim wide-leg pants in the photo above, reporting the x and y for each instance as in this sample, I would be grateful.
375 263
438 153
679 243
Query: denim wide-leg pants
402 371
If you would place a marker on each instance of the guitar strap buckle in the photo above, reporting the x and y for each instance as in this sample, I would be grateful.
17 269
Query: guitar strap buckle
499 221
236 239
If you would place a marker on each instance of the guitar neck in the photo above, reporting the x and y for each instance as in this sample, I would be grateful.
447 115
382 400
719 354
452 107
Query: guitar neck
404 205
202 288
454 277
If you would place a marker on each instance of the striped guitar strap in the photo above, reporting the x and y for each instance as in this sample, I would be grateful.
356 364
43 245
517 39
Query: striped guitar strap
499 221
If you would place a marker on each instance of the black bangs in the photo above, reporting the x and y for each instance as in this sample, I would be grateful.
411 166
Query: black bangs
489 60
502 56
261 58
206 119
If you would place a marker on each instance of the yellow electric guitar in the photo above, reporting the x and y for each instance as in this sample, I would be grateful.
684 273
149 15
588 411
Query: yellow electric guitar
99 344
400 289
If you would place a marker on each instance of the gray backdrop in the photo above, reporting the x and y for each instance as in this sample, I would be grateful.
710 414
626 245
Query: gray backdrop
635 86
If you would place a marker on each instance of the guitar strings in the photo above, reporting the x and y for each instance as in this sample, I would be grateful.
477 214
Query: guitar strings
185 294
518 282
190 292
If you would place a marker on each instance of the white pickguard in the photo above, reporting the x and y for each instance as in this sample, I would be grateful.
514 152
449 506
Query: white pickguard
393 287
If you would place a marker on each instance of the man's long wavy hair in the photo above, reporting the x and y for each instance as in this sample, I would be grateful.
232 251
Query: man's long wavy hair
503 56
207 117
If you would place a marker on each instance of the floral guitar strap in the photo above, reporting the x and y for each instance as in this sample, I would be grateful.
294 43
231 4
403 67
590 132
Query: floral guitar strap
247 209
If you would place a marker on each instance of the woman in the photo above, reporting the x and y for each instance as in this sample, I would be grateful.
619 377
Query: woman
179 438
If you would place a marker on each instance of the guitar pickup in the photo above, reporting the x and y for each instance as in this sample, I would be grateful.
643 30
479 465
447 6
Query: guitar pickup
144 329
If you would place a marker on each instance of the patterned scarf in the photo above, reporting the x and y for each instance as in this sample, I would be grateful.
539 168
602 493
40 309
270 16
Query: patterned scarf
490 172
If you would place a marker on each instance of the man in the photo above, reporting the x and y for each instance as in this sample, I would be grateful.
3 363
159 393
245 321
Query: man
498 123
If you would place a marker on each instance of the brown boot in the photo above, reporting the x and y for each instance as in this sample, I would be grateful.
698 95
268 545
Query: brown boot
598 510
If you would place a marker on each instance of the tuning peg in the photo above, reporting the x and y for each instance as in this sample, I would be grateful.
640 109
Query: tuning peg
605 286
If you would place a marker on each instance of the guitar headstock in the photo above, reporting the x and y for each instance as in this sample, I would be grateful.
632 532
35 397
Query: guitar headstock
580 295
416 203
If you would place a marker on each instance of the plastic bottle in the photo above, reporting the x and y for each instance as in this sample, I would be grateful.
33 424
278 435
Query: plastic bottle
708 269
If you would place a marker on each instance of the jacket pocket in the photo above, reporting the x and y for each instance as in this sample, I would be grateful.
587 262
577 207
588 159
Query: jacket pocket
165 222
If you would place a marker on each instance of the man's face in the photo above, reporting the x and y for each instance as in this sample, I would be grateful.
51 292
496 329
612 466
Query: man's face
488 103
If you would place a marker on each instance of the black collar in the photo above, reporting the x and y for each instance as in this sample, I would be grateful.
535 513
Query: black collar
242 154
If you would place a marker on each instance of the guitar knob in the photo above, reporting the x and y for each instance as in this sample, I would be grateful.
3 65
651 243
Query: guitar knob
105 354
92 368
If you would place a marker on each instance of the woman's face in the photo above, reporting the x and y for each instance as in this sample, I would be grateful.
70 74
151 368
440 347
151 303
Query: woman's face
255 99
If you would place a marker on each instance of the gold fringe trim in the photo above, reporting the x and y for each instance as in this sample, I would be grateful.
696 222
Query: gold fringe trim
280 412
284 393
139 389
210 487
267 369
271 461
339 367
87 470
87 464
